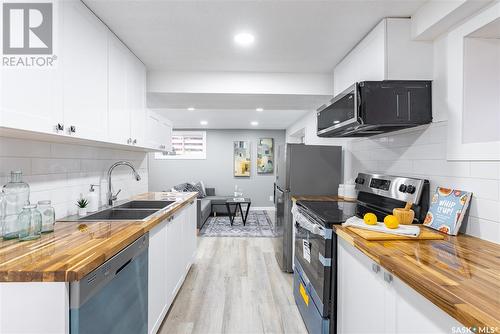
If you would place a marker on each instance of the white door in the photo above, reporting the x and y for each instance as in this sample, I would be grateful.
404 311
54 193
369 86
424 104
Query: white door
85 75
30 96
136 92
118 107
361 293
157 289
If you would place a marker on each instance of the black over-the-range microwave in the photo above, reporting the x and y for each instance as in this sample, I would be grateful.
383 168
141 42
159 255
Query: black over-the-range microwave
372 107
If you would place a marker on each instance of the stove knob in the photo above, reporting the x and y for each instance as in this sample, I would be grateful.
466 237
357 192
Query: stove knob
359 180
410 189
402 188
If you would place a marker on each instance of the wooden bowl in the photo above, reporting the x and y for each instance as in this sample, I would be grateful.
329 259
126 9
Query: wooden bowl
405 217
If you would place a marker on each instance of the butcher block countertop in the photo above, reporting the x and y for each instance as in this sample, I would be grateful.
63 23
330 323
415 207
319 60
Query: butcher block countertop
74 249
460 275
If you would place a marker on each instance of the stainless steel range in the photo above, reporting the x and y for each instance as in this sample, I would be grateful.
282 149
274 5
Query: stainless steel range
315 262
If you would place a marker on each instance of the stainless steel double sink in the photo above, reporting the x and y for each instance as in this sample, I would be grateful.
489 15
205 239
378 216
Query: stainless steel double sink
129 211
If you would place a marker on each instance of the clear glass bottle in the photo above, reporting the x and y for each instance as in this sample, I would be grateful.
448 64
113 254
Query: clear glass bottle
30 223
17 194
48 216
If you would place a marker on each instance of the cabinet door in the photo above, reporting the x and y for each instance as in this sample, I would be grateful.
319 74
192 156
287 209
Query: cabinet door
154 128
118 106
157 289
136 92
166 135
31 98
174 257
416 314
361 293
85 75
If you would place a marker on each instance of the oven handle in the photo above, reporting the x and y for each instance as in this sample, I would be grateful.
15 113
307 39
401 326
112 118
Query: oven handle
305 223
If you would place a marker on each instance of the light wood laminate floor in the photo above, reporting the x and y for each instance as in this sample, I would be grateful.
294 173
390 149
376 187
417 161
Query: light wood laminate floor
235 286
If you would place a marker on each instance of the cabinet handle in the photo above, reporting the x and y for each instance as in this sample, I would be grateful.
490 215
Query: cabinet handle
134 141
72 129
375 268
387 277
191 202
129 141
59 127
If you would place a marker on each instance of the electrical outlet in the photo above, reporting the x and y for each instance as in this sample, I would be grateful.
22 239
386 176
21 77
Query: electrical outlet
271 198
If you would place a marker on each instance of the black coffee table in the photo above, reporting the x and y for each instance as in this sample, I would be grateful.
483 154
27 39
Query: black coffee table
237 204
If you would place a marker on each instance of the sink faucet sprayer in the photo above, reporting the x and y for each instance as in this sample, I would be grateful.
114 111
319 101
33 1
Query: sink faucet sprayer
112 197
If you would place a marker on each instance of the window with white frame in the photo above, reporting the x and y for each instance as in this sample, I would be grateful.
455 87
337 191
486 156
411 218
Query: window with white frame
187 145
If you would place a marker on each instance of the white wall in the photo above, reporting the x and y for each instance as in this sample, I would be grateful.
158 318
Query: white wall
61 172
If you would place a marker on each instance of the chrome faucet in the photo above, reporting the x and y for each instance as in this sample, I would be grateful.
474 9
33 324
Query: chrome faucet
112 197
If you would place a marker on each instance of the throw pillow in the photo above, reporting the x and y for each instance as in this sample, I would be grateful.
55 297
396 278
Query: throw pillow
200 188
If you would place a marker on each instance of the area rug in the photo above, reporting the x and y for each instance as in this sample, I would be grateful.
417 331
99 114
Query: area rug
258 225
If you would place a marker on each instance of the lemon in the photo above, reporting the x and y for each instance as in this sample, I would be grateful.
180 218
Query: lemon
370 218
391 221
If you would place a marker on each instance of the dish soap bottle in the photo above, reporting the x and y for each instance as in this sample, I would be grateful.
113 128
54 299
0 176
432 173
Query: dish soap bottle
17 194
93 199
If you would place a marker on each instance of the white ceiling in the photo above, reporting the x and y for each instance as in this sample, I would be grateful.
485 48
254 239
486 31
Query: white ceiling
197 36
291 36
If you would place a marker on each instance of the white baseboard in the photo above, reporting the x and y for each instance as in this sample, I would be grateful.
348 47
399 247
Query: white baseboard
262 208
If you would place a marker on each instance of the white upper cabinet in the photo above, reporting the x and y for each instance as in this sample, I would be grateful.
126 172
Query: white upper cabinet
159 132
118 107
95 92
386 53
30 96
473 87
85 72
136 92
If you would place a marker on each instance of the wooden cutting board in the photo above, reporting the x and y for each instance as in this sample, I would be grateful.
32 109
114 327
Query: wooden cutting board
425 234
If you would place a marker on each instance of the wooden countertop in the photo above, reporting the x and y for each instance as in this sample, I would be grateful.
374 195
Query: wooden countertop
76 248
460 275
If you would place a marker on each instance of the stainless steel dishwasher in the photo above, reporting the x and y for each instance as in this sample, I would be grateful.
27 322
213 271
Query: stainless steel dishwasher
114 297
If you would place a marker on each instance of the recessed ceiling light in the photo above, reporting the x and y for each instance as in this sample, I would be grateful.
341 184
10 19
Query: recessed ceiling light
191 108
203 122
244 39
254 123
259 109
336 122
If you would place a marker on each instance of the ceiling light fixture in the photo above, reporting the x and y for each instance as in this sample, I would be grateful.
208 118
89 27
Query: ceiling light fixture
336 122
259 109
244 39
203 122
254 123
191 108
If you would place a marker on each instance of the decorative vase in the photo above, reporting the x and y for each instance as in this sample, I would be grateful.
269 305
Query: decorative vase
82 212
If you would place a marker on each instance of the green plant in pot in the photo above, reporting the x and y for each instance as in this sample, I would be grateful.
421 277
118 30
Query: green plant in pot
82 204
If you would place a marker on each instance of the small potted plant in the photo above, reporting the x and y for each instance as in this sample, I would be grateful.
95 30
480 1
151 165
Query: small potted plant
82 204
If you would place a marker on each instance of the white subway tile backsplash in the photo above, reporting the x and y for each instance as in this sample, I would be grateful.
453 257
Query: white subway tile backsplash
62 172
485 169
421 152
54 166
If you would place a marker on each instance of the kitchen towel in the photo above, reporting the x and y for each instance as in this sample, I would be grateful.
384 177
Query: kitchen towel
406 230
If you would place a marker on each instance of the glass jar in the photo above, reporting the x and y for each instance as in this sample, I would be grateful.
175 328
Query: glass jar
48 216
30 223
17 194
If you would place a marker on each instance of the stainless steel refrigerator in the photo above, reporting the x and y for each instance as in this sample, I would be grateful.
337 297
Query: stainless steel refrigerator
301 170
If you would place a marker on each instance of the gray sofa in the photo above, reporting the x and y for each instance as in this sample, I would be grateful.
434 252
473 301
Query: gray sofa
210 204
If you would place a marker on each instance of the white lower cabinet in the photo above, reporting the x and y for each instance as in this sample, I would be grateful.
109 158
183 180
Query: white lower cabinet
172 245
371 300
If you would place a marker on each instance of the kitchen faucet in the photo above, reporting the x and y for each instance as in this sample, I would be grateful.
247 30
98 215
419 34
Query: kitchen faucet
112 197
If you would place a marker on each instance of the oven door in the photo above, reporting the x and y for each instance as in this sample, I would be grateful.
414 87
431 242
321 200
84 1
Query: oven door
313 251
340 113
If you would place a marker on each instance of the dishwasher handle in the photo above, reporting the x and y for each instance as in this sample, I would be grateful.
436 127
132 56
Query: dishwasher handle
82 290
